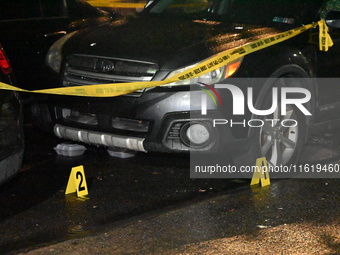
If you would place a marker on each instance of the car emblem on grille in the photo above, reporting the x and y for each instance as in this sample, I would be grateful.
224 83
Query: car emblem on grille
104 65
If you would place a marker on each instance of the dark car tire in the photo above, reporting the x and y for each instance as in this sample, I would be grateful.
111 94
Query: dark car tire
282 142
279 144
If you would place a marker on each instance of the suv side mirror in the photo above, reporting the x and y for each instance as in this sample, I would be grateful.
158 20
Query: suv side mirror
333 19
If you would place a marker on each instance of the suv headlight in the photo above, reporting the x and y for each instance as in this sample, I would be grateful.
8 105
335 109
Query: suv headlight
54 54
208 78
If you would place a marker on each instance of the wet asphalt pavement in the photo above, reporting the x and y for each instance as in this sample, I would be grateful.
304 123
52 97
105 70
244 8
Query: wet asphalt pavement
35 211
289 217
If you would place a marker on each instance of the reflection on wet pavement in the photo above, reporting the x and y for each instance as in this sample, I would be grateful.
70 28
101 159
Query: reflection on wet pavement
288 217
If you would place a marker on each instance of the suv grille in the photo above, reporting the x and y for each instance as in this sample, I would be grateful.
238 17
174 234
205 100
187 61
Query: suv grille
89 70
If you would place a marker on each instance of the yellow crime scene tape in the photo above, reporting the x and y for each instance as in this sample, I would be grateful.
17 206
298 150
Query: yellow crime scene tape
216 61
116 4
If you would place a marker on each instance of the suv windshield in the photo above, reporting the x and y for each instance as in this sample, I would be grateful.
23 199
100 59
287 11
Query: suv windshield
240 11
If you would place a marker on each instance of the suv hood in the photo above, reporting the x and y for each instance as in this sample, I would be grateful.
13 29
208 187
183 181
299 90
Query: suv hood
171 43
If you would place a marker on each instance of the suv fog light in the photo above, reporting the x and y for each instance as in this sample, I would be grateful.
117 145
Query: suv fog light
190 135
198 134
195 134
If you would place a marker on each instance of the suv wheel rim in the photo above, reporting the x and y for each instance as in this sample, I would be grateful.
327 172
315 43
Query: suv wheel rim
279 137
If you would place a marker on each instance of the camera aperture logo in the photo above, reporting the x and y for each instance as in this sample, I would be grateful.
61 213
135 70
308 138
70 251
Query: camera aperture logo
280 103
208 89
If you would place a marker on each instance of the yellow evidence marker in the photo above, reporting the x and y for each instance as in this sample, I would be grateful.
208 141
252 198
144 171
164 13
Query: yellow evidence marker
261 173
77 182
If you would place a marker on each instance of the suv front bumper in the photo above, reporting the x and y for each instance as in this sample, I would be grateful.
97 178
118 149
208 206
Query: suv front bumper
158 120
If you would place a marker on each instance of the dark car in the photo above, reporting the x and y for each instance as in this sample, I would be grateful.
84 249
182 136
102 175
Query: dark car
29 28
11 135
170 37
